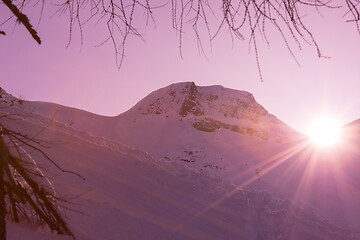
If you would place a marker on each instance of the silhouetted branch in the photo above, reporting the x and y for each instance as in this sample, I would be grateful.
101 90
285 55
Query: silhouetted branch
25 192
243 19
22 18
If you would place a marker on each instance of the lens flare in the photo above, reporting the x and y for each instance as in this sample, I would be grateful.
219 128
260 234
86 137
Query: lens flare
325 132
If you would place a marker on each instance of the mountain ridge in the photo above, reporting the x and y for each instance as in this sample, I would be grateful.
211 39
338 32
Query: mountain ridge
169 131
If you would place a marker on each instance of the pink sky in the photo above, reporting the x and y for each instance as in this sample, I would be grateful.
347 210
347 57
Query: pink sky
89 79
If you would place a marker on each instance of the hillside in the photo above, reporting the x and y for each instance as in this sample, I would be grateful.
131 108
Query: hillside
130 194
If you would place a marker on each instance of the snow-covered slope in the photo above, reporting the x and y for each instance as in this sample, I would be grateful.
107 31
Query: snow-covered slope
204 128
227 135
128 194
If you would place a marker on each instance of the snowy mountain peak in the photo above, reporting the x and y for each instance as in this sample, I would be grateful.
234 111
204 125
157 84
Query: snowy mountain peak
212 108
188 99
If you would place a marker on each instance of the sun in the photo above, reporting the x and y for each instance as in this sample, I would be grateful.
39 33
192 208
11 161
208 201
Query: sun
325 132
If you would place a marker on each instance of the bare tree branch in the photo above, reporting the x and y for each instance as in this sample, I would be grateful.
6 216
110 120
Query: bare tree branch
22 18
25 191
244 19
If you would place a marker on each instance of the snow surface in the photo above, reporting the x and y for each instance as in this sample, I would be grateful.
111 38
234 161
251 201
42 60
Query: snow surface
191 183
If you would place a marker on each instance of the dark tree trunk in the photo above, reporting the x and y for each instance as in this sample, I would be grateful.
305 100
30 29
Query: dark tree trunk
2 190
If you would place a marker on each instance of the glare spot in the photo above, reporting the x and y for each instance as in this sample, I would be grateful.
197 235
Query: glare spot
325 132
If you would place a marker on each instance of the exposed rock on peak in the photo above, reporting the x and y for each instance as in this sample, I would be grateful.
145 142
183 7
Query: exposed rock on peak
213 108
188 99
191 104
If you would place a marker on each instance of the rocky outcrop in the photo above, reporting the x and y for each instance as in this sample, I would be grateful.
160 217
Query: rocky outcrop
191 103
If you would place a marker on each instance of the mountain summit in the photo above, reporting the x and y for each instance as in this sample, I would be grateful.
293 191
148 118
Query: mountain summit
188 99
214 108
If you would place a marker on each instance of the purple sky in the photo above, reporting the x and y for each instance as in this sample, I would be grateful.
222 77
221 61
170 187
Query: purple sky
89 79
